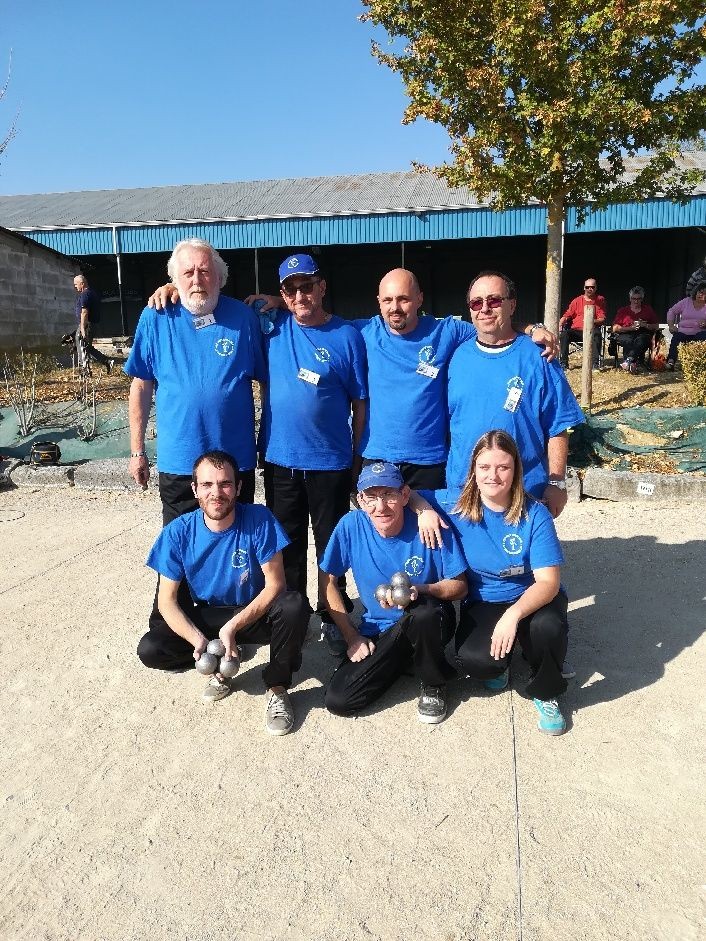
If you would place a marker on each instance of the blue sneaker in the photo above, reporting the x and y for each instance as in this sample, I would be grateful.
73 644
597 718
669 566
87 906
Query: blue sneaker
551 720
498 683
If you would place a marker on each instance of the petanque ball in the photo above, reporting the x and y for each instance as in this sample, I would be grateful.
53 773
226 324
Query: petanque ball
381 593
228 667
401 595
216 647
207 664
400 580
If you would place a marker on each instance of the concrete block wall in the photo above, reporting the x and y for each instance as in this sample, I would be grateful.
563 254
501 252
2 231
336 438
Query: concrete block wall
37 294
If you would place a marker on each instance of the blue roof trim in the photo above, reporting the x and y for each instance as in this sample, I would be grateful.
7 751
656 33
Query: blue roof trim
372 229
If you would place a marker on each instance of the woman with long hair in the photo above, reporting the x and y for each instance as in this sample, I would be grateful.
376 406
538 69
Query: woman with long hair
514 561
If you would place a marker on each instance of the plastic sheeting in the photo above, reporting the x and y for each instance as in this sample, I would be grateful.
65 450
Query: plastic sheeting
676 434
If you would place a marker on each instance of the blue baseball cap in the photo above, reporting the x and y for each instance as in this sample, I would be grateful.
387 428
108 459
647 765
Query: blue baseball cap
380 474
297 264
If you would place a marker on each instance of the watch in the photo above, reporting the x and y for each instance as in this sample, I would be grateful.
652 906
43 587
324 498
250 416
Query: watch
138 454
535 326
559 484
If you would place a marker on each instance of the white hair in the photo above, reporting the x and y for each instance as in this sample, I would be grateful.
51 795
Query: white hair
218 263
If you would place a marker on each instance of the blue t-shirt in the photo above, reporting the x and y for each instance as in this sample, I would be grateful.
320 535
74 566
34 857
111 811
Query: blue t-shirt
407 382
483 387
314 375
501 557
355 544
203 378
92 302
220 568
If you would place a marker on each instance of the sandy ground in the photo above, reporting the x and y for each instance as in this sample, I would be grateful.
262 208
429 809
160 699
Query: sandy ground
131 810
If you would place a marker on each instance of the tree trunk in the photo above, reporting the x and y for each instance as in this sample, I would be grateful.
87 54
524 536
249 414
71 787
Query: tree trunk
555 262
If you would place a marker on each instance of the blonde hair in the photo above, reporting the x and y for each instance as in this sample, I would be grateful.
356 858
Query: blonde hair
469 505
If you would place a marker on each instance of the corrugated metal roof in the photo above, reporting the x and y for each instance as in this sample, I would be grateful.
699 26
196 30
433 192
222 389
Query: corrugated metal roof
312 197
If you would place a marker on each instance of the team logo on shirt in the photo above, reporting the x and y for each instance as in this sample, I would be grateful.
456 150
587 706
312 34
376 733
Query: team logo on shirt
427 354
515 383
322 354
240 559
224 346
512 544
414 566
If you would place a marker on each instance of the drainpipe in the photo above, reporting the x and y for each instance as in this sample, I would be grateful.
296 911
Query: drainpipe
120 281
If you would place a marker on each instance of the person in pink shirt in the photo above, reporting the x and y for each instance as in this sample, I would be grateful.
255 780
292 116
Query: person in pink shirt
571 324
687 321
633 329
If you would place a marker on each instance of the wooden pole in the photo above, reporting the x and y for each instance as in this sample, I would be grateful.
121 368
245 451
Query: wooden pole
589 311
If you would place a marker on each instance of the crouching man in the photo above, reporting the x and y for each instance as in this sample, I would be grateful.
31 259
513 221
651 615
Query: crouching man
230 555
376 544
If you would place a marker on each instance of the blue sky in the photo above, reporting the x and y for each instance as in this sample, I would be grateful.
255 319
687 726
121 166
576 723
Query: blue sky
156 93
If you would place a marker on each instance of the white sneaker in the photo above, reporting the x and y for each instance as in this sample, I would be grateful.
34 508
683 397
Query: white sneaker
216 689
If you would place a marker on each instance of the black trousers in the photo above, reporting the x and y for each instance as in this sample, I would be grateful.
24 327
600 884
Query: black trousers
283 627
294 496
418 638
418 476
542 636
635 344
566 335
85 347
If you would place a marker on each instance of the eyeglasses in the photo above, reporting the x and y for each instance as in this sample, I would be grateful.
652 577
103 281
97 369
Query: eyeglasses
391 497
305 287
492 300
589 287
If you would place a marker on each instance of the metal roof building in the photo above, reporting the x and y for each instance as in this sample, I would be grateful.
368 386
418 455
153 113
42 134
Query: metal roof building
363 223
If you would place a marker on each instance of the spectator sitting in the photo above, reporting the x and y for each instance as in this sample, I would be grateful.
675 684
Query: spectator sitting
571 324
697 277
687 321
634 328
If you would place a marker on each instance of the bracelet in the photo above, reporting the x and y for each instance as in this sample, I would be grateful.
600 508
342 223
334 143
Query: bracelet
138 454
535 326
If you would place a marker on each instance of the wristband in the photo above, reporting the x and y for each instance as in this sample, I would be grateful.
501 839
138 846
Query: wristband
138 454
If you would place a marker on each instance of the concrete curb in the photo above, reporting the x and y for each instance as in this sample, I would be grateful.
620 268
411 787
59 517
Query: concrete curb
107 474
627 485
54 475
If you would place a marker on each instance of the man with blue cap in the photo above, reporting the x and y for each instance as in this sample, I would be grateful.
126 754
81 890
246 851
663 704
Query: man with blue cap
377 545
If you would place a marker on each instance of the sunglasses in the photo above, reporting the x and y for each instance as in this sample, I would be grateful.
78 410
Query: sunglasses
589 287
306 288
493 301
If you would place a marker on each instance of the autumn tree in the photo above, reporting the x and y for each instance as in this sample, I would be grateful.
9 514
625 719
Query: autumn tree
543 101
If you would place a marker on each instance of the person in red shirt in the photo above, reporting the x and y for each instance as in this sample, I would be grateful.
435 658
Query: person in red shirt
633 329
571 324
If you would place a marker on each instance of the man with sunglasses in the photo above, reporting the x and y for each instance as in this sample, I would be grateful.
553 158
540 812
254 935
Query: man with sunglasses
375 544
499 380
312 420
571 324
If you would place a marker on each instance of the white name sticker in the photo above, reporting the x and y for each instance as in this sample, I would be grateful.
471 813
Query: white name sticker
309 376
206 321
512 570
512 400
426 369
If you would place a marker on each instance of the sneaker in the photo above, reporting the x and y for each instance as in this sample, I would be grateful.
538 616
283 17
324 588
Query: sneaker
109 366
333 637
551 720
431 707
567 671
279 714
669 365
216 689
497 683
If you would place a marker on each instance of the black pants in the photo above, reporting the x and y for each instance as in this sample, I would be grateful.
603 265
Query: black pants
542 636
635 344
566 335
419 638
283 627
84 348
418 476
294 496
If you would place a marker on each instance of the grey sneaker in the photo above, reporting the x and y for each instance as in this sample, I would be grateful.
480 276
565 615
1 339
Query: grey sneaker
216 689
279 714
431 707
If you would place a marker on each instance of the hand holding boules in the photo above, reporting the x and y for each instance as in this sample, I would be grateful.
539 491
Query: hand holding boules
402 591
207 664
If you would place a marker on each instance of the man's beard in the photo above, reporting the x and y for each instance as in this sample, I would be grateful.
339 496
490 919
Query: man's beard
200 304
